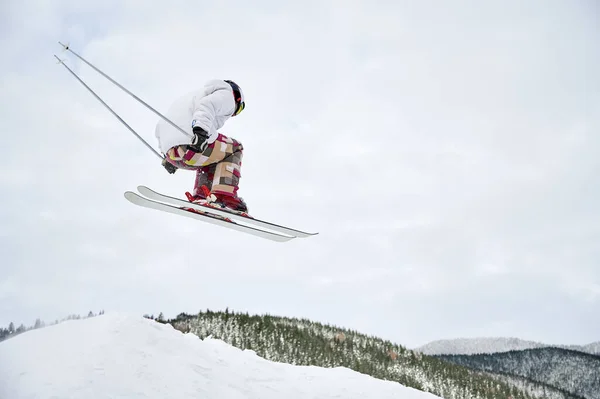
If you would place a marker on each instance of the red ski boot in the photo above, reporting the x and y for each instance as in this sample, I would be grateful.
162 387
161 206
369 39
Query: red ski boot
200 197
231 203
203 197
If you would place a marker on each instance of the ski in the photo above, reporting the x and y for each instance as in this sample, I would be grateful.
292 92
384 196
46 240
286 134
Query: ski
149 193
203 216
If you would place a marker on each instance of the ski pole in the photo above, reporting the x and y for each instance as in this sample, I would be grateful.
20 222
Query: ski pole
67 48
110 109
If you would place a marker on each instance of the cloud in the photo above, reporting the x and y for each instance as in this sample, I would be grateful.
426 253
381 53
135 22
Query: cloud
446 156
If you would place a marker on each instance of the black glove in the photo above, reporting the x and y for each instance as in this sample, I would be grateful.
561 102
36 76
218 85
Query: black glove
169 166
199 140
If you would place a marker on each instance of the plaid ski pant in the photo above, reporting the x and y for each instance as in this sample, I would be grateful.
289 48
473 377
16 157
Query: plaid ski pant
217 167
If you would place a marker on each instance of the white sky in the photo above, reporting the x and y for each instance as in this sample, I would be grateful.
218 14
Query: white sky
448 155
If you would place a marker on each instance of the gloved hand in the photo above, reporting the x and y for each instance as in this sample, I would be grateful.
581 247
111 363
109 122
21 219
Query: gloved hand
169 166
199 140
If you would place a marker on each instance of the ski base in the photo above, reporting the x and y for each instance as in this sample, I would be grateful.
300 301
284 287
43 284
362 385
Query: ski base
262 224
204 216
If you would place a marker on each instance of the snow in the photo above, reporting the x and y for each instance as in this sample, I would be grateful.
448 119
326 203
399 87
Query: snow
123 356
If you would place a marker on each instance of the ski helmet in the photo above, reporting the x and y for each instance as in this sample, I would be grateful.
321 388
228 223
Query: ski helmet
238 95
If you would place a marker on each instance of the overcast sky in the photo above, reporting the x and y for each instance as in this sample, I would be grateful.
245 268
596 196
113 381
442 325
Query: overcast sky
447 153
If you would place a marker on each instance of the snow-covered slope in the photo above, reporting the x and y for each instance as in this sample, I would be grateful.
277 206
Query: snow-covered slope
121 356
470 346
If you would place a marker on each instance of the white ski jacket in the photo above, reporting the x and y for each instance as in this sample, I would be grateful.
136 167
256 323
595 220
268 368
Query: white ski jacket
209 107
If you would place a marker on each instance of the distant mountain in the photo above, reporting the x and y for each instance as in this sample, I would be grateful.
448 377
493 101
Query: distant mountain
575 372
471 346
593 348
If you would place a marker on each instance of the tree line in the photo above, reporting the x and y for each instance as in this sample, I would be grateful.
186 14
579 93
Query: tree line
10 331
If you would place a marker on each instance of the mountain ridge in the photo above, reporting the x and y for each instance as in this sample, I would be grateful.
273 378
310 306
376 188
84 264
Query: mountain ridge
482 345
562 369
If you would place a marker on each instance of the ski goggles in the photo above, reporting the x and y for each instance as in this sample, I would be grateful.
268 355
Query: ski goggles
240 108
237 95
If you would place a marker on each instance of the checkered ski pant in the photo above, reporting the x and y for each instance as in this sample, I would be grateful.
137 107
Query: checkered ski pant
217 167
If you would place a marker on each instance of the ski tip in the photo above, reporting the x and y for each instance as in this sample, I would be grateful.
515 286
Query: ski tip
142 188
130 194
308 235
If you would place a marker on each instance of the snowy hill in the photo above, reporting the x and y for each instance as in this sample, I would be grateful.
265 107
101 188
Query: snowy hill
116 355
470 346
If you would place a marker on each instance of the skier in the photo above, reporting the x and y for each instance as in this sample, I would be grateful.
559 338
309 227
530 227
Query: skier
216 158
